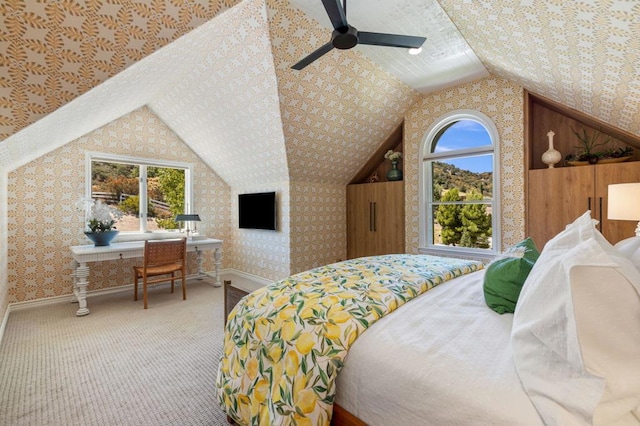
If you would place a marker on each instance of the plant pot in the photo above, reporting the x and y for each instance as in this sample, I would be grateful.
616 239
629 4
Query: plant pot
101 238
603 161
395 173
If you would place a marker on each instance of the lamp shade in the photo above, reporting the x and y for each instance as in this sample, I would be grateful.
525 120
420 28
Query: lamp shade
187 218
624 201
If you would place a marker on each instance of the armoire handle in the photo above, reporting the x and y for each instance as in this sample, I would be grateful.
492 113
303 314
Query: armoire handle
370 216
374 216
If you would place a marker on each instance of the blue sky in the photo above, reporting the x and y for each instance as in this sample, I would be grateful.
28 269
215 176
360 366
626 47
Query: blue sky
466 134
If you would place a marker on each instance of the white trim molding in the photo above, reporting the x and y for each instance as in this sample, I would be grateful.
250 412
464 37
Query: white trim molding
424 191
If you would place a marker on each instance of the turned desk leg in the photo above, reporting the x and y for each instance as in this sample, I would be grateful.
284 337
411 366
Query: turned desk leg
80 283
218 260
74 276
200 271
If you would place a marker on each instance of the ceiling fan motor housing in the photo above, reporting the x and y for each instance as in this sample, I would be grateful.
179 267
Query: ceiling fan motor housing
345 37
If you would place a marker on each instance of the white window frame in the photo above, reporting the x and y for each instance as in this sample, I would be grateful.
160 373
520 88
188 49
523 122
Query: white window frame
143 163
425 185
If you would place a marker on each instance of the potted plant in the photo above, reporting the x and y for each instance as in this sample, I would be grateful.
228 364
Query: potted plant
101 221
394 157
588 154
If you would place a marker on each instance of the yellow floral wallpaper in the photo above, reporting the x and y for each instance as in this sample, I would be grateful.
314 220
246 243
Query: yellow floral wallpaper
500 100
43 220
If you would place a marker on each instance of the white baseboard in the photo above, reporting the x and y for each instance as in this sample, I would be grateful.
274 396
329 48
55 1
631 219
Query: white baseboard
68 298
4 324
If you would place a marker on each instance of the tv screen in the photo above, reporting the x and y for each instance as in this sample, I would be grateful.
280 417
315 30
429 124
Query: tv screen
257 211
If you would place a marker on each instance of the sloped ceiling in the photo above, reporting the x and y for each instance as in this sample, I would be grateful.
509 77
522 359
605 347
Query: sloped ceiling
187 84
446 58
52 54
584 54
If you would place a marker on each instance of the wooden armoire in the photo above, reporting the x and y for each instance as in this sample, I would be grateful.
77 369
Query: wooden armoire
375 211
557 196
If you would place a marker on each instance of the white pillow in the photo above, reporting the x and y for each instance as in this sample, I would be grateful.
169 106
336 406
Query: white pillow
564 379
631 249
608 325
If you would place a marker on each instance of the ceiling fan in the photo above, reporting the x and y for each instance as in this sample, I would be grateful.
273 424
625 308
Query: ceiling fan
344 36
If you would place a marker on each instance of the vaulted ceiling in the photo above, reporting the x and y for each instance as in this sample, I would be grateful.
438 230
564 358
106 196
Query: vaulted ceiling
217 72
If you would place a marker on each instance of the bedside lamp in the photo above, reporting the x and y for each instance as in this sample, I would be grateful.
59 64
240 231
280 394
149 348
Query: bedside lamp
624 203
188 218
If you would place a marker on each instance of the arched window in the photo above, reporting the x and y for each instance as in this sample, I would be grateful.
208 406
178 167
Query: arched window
459 205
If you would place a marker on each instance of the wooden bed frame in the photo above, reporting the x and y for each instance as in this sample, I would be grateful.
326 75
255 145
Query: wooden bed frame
342 417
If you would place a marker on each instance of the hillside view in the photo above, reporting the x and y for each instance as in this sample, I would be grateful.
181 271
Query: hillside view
446 176
461 217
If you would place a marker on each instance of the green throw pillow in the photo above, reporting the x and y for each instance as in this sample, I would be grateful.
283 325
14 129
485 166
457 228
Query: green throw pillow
506 275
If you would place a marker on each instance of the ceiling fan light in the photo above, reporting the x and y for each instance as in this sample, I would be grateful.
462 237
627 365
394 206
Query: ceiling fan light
415 51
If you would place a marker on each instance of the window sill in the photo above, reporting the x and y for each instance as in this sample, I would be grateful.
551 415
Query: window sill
143 236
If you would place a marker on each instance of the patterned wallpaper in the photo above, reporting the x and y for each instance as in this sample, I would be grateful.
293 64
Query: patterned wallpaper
334 115
225 106
500 100
584 54
330 117
318 224
263 253
43 220
4 297
336 112
53 51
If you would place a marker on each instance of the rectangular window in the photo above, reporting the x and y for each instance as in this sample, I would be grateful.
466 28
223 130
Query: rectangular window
147 193
462 197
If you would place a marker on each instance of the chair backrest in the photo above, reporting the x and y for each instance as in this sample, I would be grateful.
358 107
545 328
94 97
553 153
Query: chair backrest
162 252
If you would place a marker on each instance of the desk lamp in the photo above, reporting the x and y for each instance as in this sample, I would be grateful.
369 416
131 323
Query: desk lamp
188 218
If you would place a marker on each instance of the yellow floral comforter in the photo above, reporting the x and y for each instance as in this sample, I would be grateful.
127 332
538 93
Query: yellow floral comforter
285 343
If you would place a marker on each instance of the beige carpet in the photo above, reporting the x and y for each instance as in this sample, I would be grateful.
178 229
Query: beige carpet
120 365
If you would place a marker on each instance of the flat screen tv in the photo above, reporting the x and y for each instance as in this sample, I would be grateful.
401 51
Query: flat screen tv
257 210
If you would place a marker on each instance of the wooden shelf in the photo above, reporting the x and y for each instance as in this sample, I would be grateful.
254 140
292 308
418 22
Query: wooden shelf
542 115
377 163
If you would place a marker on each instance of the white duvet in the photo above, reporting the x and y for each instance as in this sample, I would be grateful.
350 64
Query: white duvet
444 358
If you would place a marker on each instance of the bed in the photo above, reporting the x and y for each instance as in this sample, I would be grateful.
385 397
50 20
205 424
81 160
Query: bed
570 354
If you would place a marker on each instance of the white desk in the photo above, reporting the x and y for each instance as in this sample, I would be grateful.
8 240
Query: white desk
84 254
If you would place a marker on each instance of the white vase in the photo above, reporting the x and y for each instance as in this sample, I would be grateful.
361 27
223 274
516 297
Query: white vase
551 156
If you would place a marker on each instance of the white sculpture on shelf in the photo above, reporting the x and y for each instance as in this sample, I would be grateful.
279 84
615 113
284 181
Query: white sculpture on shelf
551 156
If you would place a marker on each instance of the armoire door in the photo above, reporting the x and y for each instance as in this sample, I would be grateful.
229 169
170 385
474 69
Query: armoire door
555 198
360 241
375 219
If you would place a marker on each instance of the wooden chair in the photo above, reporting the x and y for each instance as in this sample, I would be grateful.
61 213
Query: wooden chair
162 259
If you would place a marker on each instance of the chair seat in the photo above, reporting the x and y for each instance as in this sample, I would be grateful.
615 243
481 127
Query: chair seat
161 258
158 269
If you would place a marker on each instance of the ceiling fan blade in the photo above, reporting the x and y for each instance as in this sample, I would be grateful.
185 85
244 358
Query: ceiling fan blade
336 13
313 56
391 40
